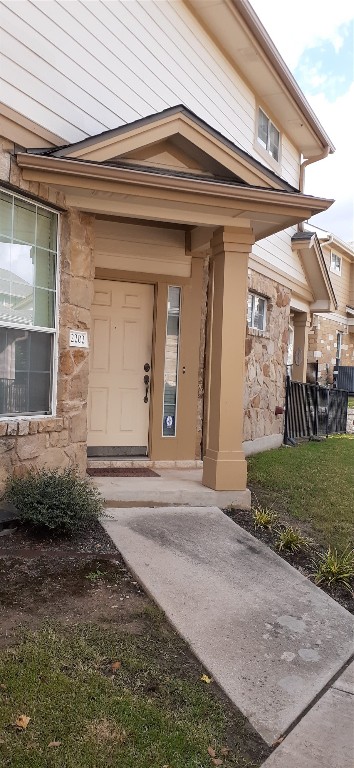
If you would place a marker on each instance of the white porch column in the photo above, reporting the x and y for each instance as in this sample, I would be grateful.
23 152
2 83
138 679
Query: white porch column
224 465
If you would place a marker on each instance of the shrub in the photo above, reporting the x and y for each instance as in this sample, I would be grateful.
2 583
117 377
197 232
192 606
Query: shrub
335 567
264 517
59 501
291 540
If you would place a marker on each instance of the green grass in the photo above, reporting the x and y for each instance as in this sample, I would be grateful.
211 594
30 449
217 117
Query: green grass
148 714
351 402
312 483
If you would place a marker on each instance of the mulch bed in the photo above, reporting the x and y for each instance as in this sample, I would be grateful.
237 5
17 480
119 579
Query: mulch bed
121 472
301 560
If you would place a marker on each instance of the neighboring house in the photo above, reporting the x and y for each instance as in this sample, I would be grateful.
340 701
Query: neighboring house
331 338
152 166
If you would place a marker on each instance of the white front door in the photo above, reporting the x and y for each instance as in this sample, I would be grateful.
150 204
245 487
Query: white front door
121 338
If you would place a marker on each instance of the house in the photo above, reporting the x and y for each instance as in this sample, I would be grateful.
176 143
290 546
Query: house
152 173
331 338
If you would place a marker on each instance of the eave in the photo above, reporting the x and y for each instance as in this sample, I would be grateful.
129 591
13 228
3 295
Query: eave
146 194
309 249
237 30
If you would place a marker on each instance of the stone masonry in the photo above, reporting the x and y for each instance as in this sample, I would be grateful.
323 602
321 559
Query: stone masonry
323 346
61 441
350 421
265 361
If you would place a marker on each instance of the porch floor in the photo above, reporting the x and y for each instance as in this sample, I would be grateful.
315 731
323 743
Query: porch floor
173 487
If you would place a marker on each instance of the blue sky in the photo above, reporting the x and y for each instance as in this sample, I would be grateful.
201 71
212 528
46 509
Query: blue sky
328 65
316 40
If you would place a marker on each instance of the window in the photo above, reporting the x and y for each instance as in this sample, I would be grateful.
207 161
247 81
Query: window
28 252
339 345
256 312
171 362
268 135
336 263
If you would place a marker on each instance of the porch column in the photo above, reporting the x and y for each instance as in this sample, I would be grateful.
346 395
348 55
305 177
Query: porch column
224 466
301 344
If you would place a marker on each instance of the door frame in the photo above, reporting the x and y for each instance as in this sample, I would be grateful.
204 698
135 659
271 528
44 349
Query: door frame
185 445
97 451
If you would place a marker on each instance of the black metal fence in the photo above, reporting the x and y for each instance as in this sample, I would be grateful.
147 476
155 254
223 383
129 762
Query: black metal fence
345 378
314 411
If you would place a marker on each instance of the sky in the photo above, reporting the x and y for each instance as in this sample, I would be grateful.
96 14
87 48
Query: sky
316 40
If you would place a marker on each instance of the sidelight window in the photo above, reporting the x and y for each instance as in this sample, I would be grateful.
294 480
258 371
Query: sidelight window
171 362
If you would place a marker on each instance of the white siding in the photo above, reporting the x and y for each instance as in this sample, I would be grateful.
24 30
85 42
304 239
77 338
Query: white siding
341 283
78 68
277 252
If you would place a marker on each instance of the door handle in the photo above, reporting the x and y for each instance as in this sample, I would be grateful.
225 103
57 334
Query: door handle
146 382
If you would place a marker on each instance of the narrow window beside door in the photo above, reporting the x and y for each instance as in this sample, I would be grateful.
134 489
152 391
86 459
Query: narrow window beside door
171 362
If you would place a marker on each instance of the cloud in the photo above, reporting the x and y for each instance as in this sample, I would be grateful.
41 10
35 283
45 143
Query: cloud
327 67
333 177
295 27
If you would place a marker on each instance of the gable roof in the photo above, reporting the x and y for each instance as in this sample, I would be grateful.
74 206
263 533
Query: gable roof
114 145
310 251
108 173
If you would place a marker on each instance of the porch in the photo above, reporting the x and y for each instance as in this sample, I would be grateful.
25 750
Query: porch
172 486
170 174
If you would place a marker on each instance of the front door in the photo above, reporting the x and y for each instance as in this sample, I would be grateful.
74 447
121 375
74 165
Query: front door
120 358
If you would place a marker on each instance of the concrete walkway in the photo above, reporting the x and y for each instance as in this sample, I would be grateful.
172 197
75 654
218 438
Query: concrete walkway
324 738
267 635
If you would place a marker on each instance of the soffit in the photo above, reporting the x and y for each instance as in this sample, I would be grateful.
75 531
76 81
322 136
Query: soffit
153 194
314 265
236 29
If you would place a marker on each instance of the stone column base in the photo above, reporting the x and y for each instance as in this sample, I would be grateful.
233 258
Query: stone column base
225 474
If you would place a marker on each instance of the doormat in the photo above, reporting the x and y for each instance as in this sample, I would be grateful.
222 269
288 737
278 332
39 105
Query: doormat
121 472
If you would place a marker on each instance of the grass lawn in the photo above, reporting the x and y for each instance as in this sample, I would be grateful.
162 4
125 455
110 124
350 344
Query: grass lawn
351 402
312 483
71 612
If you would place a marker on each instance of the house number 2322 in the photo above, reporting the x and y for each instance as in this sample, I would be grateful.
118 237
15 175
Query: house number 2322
78 339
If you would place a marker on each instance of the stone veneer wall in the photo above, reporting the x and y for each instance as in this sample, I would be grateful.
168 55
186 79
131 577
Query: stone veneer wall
323 346
350 421
265 361
60 441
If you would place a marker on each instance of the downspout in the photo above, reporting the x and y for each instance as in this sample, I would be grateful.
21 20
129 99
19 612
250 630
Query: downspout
303 165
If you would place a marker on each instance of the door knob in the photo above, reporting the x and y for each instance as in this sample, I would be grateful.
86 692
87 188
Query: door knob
146 382
146 367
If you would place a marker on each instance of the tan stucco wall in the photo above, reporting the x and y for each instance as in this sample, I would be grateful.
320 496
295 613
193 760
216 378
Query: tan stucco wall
265 361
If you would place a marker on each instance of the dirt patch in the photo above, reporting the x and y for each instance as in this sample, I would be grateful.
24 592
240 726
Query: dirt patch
302 560
68 580
80 591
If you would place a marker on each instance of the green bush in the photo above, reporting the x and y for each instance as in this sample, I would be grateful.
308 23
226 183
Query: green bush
335 567
291 540
60 501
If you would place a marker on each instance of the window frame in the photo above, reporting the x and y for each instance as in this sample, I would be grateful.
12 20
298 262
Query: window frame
251 325
259 144
339 345
333 268
179 288
54 332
